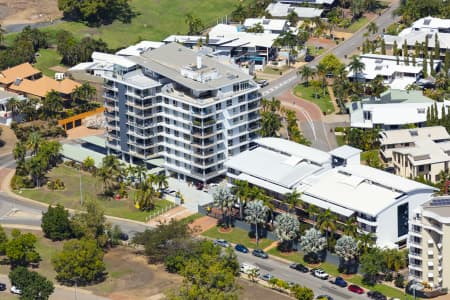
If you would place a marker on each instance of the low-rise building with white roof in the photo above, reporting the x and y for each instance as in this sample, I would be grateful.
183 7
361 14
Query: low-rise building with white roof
102 64
418 152
392 110
310 2
6 116
270 25
380 201
139 48
282 10
230 41
396 73
420 31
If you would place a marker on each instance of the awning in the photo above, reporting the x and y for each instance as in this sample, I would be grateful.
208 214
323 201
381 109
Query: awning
430 264
430 252
430 275
430 242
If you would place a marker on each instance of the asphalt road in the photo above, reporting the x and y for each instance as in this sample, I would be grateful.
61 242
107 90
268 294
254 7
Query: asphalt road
289 80
281 270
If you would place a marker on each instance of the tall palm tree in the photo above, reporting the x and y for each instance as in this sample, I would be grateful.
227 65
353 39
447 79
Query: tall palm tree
256 213
351 227
372 28
292 199
365 242
270 124
110 171
356 66
34 141
321 73
312 211
241 190
145 196
306 73
84 92
326 222
161 181
14 105
52 104
141 173
225 201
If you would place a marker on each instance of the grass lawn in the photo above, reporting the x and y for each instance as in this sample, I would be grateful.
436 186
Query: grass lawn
355 26
340 139
365 154
332 270
70 197
155 21
47 58
314 51
236 236
274 71
307 93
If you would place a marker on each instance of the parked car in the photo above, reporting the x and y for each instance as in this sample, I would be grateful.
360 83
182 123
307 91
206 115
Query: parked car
123 236
319 273
16 290
339 281
376 295
241 248
248 268
299 267
309 58
262 83
355 289
266 277
2 287
260 253
221 243
324 297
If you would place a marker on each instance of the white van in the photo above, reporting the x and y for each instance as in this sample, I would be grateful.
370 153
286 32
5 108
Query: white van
247 268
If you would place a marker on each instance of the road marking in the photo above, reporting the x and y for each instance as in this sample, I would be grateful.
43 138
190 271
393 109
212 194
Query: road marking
310 121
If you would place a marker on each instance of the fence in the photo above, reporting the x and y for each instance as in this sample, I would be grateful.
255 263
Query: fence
75 121
158 212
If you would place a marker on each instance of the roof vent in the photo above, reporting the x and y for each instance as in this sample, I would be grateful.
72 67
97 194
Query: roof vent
18 81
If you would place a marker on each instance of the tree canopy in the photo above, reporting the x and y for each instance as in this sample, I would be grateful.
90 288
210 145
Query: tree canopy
96 12
21 249
56 223
33 285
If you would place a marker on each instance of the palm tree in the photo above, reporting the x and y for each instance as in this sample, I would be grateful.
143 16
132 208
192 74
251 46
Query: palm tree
256 213
2 34
306 73
36 167
195 24
52 104
365 242
321 72
130 174
372 28
316 86
287 229
34 141
238 14
312 211
141 173
292 199
356 66
109 172
145 196
270 124
327 222
225 201
241 191
14 105
351 227
161 182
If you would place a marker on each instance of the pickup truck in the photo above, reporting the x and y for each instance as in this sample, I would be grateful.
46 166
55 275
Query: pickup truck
319 273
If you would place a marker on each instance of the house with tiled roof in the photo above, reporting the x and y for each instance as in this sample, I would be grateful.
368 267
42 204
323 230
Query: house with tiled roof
22 71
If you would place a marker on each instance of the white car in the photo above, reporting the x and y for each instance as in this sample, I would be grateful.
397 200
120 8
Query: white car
319 273
16 290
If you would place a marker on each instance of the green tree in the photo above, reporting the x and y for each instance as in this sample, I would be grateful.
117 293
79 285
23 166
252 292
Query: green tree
372 263
15 106
88 164
327 222
329 64
80 262
33 285
146 195
312 243
356 66
287 229
195 24
347 250
2 35
372 28
3 241
256 214
293 18
52 105
383 47
306 73
21 249
241 190
270 124
302 293
34 141
257 28
56 223
224 199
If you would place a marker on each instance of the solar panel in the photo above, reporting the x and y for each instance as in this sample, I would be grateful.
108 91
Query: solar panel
440 202
427 22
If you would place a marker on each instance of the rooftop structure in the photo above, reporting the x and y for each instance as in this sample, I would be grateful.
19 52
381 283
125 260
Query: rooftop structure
417 152
40 87
270 25
22 71
309 2
282 10
397 74
139 48
393 109
103 64
428 243
185 107
431 24
378 199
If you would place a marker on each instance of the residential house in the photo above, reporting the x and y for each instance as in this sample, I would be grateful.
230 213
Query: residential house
277 26
282 10
19 72
5 113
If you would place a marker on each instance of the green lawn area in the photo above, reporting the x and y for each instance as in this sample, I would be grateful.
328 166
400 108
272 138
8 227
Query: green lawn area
315 52
70 197
236 236
355 26
332 270
47 58
307 93
274 71
365 154
156 20
340 139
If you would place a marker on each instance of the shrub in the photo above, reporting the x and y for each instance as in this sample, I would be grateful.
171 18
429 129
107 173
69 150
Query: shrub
388 277
20 182
56 185
399 281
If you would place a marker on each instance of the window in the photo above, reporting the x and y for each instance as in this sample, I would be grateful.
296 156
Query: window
402 219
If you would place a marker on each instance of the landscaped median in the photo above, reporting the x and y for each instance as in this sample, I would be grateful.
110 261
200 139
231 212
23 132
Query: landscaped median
315 95
240 236
91 187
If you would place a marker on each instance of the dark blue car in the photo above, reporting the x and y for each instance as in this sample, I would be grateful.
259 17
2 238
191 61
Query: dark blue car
339 281
241 248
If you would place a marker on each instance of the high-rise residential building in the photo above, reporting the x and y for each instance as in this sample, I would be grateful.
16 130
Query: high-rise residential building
429 243
187 108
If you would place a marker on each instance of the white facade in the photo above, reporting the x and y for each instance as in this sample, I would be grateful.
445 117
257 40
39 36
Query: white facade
381 202
270 25
191 110
6 116
392 110
429 242
396 74
282 10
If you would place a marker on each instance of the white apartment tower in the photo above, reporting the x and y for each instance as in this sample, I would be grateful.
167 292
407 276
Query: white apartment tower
184 107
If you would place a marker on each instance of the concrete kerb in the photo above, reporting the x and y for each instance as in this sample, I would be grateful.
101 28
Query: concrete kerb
5 187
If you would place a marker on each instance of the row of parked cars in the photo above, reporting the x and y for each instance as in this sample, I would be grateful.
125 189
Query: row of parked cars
241 248
14 289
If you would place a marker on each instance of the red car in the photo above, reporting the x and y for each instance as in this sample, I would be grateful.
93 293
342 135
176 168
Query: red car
355 289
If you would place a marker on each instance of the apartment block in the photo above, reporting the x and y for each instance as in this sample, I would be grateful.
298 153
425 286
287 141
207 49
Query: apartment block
429 240
184 107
